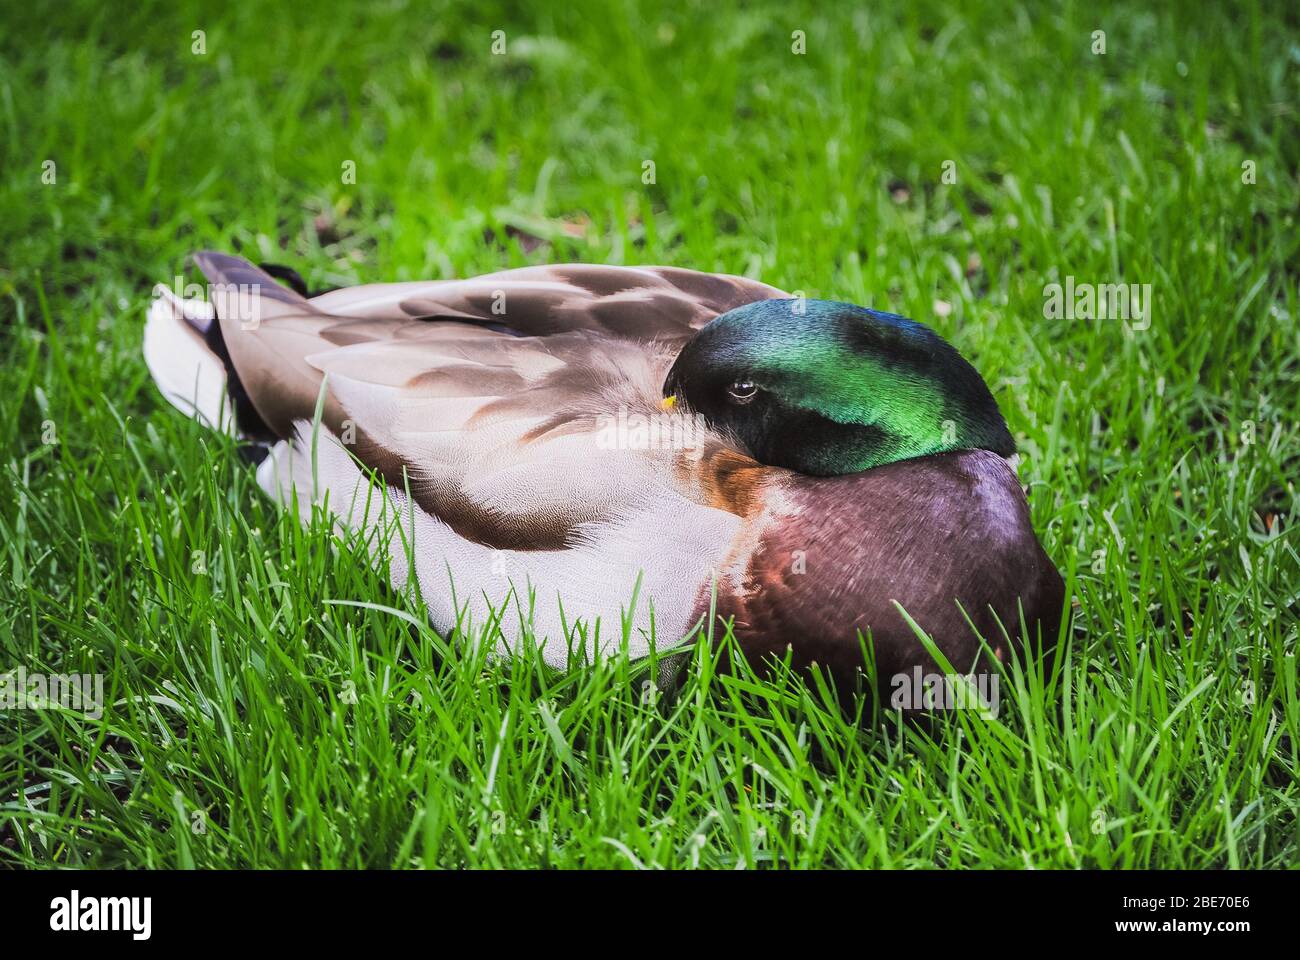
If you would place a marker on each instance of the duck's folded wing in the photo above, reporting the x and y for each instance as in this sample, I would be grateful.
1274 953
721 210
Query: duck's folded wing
269 330
628 302
519 423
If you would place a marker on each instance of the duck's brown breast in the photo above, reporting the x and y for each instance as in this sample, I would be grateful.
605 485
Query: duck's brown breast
935 535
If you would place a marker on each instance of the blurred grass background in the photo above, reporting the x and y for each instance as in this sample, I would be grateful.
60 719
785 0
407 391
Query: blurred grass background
1161 462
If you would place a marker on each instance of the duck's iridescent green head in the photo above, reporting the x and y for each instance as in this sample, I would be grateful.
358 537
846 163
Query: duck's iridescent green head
829 388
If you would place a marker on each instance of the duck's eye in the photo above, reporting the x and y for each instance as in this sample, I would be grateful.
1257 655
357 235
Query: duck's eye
742 391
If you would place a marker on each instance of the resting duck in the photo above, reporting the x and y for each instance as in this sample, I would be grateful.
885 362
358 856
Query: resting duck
612 453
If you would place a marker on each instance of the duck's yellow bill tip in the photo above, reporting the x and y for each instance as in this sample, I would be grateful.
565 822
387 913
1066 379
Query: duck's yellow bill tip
667 402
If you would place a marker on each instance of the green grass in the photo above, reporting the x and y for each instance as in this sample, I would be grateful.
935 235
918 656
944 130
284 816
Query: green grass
1167 738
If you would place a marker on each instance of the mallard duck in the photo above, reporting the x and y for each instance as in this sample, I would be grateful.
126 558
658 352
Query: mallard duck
596 456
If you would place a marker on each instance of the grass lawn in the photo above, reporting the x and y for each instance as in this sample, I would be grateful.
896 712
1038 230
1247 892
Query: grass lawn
945 165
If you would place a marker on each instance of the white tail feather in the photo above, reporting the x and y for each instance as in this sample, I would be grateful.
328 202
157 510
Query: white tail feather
187 372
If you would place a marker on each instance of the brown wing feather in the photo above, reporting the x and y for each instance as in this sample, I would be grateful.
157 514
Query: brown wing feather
662 303
486 395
